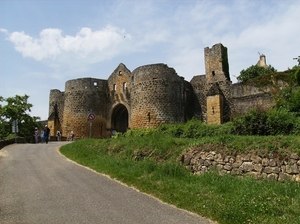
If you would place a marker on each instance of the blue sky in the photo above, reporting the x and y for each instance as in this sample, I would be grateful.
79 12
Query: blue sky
43 43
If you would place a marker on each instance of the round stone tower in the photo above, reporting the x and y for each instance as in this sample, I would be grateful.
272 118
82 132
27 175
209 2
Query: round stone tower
83 97
157 96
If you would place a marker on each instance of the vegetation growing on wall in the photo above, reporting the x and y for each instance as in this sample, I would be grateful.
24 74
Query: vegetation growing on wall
284 118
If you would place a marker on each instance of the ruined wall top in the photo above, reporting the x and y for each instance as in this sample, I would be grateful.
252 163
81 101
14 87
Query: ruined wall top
85 84
154 72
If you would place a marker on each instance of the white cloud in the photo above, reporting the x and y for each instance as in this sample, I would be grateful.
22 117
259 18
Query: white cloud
51 44
3 31
242 27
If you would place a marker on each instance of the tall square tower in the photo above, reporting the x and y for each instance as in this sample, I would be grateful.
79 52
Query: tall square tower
216 63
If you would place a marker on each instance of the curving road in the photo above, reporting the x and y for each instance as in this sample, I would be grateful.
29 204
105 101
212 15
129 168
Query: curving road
39 185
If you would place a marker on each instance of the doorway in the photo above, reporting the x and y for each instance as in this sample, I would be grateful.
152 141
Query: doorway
119 119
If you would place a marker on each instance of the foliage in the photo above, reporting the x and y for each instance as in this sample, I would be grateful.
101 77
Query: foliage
272 122
253 123
289 99
192 129
17 108
253 72
297 75
195 129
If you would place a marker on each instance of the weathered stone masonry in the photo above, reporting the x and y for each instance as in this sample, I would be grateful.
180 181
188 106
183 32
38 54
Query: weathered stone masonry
149 96
271 167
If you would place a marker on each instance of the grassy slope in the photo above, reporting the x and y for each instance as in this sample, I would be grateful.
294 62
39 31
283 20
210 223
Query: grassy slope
150 163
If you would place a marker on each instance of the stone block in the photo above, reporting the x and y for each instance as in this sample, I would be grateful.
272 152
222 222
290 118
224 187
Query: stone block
247 166
294 156
272 176
256 159
292 169
272 162
227 167
265 162
284 177
258 167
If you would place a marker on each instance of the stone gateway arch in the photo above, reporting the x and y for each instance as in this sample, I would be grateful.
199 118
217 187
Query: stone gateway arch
119 119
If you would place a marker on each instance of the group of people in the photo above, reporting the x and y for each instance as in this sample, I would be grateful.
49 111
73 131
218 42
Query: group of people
45 135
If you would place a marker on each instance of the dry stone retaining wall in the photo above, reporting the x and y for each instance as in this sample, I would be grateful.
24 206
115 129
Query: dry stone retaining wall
271 167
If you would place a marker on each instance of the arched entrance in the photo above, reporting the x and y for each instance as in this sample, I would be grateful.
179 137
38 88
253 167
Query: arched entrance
119 119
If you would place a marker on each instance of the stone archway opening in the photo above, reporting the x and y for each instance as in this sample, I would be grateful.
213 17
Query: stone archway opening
119 119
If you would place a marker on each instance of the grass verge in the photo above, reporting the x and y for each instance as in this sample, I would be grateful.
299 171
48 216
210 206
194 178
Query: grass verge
150 164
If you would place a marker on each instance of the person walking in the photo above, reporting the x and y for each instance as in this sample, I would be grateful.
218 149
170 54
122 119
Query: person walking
72 135
58 135
42 136
36 135
46 133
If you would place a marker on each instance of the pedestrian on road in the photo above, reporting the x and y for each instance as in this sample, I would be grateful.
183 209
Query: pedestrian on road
46 133
36 135
42 136
72 135
58 135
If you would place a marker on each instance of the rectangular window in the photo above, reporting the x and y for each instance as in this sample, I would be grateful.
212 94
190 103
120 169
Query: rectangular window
124 86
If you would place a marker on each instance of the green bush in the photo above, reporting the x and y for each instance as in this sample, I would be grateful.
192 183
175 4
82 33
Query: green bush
297 75
272 122
253 123
253 72
294 101
279 122
195 129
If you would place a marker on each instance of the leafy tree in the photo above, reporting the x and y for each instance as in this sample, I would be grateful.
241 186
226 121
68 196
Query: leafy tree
17 108
253 72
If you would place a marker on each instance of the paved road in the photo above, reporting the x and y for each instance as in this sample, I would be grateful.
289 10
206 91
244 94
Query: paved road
39 185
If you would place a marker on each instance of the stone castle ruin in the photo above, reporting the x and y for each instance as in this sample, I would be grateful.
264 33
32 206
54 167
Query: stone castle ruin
149 96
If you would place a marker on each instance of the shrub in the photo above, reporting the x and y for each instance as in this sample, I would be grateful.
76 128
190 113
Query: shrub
280 122
272 122
253 123
253 72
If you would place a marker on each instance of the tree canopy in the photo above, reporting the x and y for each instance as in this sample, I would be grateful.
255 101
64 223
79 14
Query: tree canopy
17 108
254 71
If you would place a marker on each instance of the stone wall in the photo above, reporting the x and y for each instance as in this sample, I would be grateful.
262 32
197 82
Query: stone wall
119 84
56 109
199 83
82 97
246 97
215 112
272 166
157 96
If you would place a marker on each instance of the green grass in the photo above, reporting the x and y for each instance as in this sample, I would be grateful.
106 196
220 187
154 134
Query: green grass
149 162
